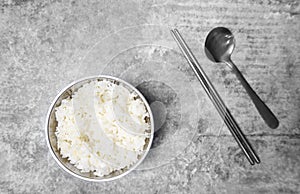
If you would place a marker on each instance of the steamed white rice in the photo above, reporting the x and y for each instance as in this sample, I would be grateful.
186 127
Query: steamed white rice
102 128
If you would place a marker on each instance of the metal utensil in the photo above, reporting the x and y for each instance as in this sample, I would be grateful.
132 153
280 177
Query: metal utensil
219 46
216 99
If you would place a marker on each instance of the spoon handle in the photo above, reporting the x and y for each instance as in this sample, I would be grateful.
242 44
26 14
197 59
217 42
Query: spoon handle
262 108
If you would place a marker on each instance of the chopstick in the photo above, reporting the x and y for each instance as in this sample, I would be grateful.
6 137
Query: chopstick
216 99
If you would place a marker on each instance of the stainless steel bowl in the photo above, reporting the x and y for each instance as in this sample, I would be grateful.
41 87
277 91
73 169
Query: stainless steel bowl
51 124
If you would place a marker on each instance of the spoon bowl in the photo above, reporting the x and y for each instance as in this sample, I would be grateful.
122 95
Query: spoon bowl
219 44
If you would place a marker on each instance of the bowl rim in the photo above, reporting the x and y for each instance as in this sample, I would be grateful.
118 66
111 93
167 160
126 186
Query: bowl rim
52 106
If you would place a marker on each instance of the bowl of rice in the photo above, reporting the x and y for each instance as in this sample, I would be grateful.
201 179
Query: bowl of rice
99 128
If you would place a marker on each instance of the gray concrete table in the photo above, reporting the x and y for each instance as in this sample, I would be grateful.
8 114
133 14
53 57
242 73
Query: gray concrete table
44 45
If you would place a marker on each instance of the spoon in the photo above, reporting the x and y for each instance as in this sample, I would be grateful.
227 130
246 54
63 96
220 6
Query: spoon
219 46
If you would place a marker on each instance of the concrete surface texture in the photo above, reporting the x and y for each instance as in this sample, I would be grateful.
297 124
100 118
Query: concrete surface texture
47 44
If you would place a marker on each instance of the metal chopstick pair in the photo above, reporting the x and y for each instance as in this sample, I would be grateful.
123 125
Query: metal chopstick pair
216 99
